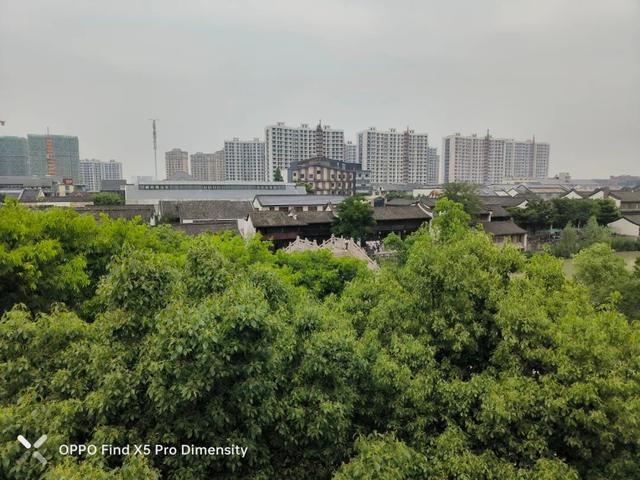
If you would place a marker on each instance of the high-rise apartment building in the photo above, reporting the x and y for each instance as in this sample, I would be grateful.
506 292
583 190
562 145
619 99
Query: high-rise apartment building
486 160
14 156
350 152
54 155
394 156
245 160
92 172
208 166
176 162
284 144
433 166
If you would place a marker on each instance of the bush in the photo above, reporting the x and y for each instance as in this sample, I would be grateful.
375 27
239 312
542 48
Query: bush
625 244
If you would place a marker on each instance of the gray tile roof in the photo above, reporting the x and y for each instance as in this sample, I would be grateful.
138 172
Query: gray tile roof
626 196
506 202
284 219
315 217
213 210
497 211
274 219
29 195
632 217
72 197
401 202
502 228
298 200
112 185
412 212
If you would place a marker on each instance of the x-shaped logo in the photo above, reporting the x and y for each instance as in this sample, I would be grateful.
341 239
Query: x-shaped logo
36 454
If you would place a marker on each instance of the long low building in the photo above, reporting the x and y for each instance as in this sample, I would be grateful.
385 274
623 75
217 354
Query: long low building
152 193
296 202
283 227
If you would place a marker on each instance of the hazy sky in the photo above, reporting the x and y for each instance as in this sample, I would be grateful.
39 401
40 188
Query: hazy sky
566 70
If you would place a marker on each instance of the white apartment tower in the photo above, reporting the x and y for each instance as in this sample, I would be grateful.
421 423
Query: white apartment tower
92 172
487 160
400 157
177 162
208 166
284 144
245 160
350 152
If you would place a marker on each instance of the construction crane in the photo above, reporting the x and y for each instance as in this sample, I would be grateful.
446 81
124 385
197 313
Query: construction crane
155 144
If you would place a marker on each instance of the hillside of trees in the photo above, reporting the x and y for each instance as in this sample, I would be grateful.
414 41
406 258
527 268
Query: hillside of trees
457 360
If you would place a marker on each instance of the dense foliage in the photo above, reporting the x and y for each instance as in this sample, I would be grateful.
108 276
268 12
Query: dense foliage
572 240
433 367
560 212
107 198
354 219
465 194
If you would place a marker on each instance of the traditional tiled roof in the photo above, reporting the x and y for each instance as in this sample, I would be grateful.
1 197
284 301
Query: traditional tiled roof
213 210
315 217
497 211
632 217
74 197
626 195
506 202
274 219
112 185
30 195
401 202
412 212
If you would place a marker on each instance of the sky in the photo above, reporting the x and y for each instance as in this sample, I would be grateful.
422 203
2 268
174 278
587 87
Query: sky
567 71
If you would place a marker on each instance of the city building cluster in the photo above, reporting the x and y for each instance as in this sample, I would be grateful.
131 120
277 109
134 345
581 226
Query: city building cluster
54 156
319 157
381 157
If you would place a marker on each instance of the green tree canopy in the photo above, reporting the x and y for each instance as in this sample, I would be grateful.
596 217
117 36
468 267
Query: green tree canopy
465 194
463 360
354 219
107 198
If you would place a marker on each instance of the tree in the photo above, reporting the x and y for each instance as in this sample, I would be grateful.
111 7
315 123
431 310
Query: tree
450 219
107 198
601 271
537 215
308 187
277 175
568 243
398 194
606 211
465 194
354 219
466 360
593 233
576 211
320 272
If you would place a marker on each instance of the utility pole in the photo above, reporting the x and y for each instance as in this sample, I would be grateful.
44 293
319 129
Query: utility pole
155 145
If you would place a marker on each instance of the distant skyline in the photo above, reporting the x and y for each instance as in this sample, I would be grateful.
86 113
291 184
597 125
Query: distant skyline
567 71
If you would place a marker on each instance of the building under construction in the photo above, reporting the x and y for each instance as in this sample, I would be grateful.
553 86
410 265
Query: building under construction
54 155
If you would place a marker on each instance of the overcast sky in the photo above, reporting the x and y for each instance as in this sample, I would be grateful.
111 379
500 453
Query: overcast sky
567 71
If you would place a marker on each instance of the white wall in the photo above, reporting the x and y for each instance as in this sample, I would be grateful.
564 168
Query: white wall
625 227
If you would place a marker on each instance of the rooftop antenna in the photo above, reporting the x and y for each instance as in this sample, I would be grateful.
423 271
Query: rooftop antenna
155 145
